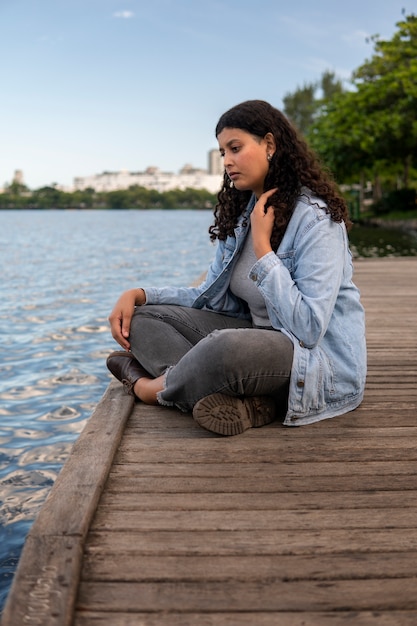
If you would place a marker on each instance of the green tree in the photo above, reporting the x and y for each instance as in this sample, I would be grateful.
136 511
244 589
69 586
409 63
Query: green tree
387 95
118 199
50 198
330 86
306 103
135 197
84 199
373 127
16 189
300 107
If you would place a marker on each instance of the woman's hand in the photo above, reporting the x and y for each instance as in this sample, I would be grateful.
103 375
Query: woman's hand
262 223
122 313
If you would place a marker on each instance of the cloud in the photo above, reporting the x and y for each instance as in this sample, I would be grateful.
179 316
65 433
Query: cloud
356 38
126 15
302 28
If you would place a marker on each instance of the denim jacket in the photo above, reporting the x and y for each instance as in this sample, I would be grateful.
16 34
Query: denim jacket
309 294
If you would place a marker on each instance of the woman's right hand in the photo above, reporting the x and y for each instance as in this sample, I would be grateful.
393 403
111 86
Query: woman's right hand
122 313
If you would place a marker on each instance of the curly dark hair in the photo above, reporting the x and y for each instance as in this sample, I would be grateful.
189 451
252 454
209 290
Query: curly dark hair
293 166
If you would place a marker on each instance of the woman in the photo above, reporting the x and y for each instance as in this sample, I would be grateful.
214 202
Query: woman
277 328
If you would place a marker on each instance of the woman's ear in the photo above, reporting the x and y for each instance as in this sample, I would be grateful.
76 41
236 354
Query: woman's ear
270 143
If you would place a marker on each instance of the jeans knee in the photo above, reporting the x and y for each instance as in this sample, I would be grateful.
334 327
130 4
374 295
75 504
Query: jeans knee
224 345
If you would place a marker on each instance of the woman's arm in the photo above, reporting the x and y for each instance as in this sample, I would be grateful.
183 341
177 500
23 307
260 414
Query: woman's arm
300 291
122 313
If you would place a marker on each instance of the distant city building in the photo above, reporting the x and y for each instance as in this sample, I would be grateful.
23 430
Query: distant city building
215 163
18 177
188 177
153 178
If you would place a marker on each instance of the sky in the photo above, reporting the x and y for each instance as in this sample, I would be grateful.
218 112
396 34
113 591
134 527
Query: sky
88 86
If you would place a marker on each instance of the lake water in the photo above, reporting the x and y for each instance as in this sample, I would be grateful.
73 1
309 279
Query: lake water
370 241
61 274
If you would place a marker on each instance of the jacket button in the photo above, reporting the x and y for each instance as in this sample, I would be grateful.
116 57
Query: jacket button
254 277
300 383
302 344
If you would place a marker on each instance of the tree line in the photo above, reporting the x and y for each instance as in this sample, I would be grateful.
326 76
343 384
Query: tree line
18 196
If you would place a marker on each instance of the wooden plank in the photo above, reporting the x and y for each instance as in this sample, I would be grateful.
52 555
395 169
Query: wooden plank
265 451
45 583
356 430
102 565
252 618
266 484
265 595
362 418
248 470
168 502
140 521
265 542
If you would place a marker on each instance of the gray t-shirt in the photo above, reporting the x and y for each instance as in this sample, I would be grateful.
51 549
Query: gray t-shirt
243 287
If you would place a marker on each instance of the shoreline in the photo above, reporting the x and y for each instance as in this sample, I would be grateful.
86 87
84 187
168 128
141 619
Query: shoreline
378 222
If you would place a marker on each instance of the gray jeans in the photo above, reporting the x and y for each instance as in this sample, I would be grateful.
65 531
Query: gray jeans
202 352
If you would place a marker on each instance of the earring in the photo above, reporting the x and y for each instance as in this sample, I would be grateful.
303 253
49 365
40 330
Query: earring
269 157
231 184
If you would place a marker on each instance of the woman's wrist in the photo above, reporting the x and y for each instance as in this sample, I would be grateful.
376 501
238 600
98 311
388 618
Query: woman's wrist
262 250
140 296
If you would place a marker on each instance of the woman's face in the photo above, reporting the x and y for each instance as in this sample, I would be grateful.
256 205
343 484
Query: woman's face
246 158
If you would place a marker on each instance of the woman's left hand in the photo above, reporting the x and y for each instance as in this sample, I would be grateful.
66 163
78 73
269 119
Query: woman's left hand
262 223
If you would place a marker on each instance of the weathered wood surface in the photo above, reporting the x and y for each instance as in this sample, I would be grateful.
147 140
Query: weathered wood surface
291 526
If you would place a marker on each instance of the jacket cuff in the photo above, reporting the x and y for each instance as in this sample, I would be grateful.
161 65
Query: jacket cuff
263 266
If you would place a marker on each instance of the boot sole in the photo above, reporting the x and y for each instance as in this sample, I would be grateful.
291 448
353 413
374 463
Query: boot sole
228 415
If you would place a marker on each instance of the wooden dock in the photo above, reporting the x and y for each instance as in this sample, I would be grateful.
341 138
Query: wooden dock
156 522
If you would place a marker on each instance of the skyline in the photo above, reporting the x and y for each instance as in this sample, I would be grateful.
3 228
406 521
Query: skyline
109 85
